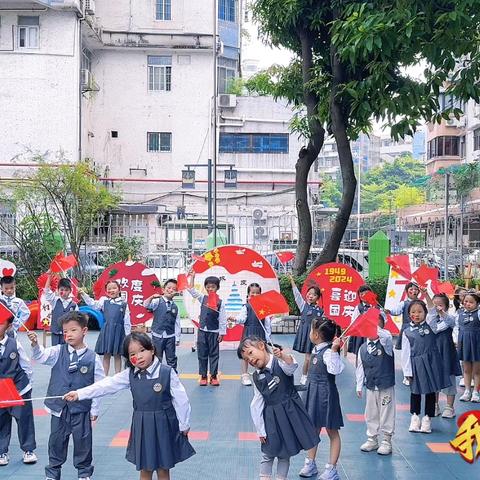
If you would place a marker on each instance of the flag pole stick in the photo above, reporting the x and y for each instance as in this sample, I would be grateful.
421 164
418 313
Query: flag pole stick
30 399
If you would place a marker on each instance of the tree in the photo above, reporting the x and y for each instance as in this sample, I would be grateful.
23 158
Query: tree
124 248
350 67
331 194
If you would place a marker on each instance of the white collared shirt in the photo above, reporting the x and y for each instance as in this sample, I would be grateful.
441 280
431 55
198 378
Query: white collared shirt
242 318
331 359
121 381
299 300
99 304
51 297
153 305
258 403
49 356
438 323
19 308
222 314
23 360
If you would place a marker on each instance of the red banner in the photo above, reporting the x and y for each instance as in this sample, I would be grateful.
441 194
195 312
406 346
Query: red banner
339 284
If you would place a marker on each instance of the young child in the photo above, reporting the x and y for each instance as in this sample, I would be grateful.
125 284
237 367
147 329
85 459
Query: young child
321 399
422 366
15 364
412 292
15 304
469 345
376 371
116 327
74 365
309 310
166 328
161 410
442 325
213 326
279 415
252 326
61 303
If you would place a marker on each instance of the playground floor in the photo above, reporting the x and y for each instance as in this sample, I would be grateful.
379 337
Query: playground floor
223 433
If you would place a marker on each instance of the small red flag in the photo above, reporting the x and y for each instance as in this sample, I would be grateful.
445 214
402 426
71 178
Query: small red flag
370 297
425 273
447 288
365 325
5 314
285 257
401 264
199 258
182 282
213 300
269 303
390 325
9 396
62 263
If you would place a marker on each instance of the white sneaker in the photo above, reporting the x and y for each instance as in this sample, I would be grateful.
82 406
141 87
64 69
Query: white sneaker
330 473
437 410
83 478
406 381
303 380
476 396
462 382
246 379
466 397
385 447
426 425
4 459
448 412
415 424
29 457
370 445
309 469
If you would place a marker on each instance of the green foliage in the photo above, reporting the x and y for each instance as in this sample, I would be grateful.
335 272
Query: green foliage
331 194
236 86
124 248
416 239
379 286
466 178
286 290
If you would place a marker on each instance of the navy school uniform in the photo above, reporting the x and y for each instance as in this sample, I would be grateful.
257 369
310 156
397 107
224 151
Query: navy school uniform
59 310
447 350
112 334
405 323
253 325
302 342
321 398
288 427
427 371
354 343
163 330
10 367
468 336
378 367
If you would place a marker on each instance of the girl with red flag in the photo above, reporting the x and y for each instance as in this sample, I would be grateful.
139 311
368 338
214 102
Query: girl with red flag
309 310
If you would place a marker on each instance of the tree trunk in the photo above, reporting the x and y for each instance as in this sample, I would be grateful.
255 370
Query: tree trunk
349 181
306 157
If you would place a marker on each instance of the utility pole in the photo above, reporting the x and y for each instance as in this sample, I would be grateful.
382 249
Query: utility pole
445 265
215 120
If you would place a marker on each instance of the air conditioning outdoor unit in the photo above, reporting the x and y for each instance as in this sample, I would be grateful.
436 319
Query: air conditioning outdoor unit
90 7
84 77
257 214
226 100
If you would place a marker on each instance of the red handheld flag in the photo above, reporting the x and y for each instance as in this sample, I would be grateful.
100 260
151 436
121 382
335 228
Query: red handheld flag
269 303
5 314
425 273
213 300
182 282
390 325
365 325
401 264
371 298
199 258
61 263
447 288
9 396
285 257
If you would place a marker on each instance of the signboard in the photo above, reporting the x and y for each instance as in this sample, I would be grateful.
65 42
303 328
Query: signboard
188 178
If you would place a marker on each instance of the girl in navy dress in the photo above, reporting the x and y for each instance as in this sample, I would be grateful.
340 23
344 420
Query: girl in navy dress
469 345
412 291
161 409
279 415
422 366
116 326
442 325
252 326
321 399
309 310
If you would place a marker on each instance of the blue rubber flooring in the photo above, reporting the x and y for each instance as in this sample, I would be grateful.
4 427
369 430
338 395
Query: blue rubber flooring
219 415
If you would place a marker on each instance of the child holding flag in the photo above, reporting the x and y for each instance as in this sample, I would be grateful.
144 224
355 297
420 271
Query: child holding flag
161 409
15 364
412 292
13 303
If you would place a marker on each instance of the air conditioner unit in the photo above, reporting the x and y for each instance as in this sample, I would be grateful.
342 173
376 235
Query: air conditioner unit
84 77
453 122
226 100
476 111
257 214
90 7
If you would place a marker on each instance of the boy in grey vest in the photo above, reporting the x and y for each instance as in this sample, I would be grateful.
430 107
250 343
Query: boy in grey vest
376 370
74 366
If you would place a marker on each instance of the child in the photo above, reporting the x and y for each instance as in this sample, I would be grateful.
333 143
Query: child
116 326
15 364
161 410
74 365
15 304
469 345
422 366
376 370
458 297
61 303
321 399
442 325
213 326
308 310
279 415
166 328
252 326
412 292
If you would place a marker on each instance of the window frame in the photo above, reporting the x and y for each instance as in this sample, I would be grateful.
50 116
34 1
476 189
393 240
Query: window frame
254 143
227 10
165 8
476 139
28 29
164 74
159 142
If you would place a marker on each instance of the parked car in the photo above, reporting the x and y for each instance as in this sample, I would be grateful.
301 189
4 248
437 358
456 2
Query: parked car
166 265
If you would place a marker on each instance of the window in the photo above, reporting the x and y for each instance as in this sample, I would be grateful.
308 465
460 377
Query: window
159 73
476 139
254 142
443 146
163 10
159 142
227 69
28 32
86 60
227 10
